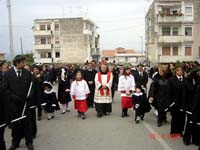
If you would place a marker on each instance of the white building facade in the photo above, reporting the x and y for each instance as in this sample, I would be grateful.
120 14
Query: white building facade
65 40
169 31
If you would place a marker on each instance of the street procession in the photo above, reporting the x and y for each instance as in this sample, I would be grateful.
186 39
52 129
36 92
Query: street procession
67 82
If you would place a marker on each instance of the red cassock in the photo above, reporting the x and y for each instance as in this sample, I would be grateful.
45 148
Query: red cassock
127 102
81 105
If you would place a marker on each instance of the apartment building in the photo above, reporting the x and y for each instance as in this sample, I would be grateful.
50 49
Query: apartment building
65 40
196 35
169 31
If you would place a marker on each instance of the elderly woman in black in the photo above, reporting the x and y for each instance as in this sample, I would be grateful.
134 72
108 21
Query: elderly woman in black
158 93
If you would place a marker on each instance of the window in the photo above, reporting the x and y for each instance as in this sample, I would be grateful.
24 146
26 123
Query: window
166 31
57 54
166 10
166 51
188 11
175 51
57 27
43 40
57 40
48 55
188 51
49 40
188 31
175 30
42 27
43 55
48 27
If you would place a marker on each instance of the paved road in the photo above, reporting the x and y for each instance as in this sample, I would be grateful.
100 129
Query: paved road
67 132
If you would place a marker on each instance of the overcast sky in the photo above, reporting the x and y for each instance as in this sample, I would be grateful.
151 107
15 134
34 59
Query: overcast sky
121 22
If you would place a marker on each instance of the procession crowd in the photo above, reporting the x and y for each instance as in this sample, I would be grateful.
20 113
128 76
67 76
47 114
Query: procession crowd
27 93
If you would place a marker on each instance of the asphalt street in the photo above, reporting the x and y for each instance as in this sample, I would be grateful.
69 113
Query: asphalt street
68 132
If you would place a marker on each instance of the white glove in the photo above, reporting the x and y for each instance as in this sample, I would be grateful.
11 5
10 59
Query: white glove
151 100
137 106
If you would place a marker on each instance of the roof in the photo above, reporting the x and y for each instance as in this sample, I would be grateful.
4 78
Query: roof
61 19
2 53
120 50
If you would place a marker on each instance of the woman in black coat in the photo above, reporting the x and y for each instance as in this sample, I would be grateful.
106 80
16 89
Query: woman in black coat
64 90
158 94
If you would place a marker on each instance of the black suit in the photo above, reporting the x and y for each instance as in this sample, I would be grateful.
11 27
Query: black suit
17 89
2 114
140 79
35 102
89 75
178 93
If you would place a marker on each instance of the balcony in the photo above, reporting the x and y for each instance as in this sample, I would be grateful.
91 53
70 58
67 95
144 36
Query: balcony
87 32
171 39
170 18
42 46
188 38
43 60
42 32
174 39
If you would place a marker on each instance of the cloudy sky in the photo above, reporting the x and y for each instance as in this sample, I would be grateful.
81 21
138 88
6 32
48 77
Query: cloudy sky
121 22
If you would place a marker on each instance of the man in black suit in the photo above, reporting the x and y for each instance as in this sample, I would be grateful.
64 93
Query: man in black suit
89 75
2 110
141 76
17 82
178 90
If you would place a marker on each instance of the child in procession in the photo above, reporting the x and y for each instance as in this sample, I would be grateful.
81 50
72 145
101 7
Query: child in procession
126 87
50 99
140 103
64 96
79 93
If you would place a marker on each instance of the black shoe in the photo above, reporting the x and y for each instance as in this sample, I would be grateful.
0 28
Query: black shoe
105 114
83 117
79 115
39 118
195 143
126 115
99 115
13 147
137 121
186 142
123 115
30 147
165 121
159 124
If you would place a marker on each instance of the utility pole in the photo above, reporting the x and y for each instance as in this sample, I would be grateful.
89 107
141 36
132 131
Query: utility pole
21 43
142 47
10 30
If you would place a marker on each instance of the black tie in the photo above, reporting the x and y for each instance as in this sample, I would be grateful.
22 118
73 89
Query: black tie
140 74
180 79
18 73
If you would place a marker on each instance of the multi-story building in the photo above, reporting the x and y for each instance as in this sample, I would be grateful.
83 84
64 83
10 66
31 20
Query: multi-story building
196 35
65 40
169 31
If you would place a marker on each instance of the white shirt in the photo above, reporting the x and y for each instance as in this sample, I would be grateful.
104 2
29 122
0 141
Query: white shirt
79 89
126 84
16 71
180 78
